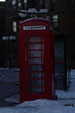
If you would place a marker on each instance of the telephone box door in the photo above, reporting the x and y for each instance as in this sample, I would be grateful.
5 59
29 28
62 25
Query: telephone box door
36 73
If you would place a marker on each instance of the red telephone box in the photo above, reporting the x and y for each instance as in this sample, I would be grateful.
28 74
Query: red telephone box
37 79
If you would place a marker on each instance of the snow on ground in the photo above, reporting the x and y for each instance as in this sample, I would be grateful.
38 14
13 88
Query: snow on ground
64 104
39 106
15 99
65 94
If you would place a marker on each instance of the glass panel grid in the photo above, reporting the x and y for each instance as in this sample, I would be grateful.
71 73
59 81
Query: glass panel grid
35 56
35 39
35 46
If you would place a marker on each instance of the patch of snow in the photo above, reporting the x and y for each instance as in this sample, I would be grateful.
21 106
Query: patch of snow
65 94
22 13
5 38
15 69
72 84
64 104
72 80
72 73
43 11
15 99
32 10
39 106
12 37
43 105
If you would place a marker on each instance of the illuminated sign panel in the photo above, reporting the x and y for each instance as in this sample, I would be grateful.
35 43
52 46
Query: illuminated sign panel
2 0
34 28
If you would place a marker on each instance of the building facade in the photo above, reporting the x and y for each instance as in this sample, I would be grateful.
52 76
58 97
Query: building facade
61 12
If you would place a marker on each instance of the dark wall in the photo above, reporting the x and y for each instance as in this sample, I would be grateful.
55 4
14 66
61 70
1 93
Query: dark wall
2 33
2 18
2 24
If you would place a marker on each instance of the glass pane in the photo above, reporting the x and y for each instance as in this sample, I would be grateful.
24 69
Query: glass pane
40 89
37 82
35 60
34 39
34 46
36 68
37 75
35 53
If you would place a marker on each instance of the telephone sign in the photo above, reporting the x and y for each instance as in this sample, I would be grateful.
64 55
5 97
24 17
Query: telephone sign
34 28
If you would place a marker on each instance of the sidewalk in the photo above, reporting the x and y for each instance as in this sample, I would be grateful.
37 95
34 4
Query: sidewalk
9 85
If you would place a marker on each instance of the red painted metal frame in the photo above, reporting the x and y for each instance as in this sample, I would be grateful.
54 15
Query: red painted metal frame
49 63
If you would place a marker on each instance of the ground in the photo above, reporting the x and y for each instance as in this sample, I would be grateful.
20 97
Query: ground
9 85
9 97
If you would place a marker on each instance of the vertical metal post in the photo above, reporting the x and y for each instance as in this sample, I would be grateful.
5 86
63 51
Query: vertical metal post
43 3
65 64
22 4
16 4
9 53
50 12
